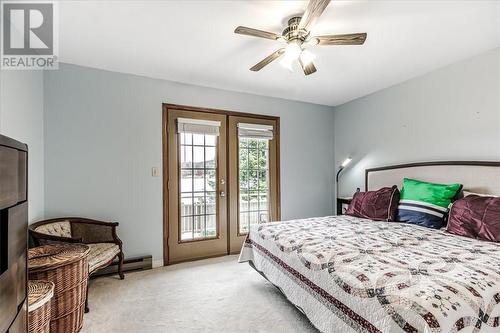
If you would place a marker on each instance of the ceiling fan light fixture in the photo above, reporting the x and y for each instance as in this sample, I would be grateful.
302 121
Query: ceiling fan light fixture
287 62
307 57
293 50
292 54
297 36
312 42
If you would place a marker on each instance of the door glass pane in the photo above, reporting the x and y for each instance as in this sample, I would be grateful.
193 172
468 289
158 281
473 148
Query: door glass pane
187 228
263 202
198 180
210 203
198 186
210 157
198 139
244 200
210 140
244 222
253 182
186 180
198 203
186 156
210 180
211 226
186 138
187 204
198 157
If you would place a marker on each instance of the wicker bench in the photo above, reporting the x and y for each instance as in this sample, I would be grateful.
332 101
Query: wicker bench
99 236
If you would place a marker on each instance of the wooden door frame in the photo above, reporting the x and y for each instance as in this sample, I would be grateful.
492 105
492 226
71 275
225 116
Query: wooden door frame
165 108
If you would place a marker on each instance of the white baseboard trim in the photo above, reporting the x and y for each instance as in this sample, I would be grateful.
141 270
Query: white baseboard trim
157 263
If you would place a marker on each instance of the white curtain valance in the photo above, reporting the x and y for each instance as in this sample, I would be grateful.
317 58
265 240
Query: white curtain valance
198 126
255 131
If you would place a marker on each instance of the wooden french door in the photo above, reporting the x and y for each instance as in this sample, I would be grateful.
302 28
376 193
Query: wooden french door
222 177
197 209
253 176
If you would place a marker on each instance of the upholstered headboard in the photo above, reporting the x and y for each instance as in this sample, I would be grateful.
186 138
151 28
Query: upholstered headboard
480 177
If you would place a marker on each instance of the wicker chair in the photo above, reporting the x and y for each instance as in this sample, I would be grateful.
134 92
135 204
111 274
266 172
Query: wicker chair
100 236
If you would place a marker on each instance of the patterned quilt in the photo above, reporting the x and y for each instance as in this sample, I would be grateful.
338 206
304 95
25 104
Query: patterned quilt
355 275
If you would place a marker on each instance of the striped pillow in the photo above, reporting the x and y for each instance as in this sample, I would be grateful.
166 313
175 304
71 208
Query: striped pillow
426 204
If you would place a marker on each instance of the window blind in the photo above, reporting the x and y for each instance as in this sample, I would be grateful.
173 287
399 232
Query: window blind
255 131
198 126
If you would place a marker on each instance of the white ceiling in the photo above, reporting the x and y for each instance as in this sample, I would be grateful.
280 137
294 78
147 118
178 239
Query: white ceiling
193 42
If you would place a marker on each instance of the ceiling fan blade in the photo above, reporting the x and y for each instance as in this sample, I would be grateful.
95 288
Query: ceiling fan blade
255 33
313 11
267 60
346 39
308 69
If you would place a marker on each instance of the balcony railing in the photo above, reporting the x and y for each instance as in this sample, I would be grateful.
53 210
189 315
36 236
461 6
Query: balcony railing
200 209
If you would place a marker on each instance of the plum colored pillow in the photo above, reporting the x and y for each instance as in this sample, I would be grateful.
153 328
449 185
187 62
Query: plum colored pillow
378 205
476 217
466 193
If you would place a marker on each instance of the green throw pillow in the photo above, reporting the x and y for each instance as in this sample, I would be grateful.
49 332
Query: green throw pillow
426 203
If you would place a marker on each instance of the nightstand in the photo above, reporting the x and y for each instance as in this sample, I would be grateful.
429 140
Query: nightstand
342 204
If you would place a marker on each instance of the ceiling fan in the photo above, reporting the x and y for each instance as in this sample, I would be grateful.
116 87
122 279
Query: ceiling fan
297 38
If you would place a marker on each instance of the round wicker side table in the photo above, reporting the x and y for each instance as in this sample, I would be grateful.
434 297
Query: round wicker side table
39 295
66 266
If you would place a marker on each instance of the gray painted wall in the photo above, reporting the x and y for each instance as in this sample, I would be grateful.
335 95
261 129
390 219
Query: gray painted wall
21 117
449 114
100 134
103 135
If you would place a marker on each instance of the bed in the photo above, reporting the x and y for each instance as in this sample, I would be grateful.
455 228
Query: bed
348 274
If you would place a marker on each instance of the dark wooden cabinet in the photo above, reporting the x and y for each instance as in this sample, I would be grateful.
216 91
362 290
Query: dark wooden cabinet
13 235
20 323
9 176
18 218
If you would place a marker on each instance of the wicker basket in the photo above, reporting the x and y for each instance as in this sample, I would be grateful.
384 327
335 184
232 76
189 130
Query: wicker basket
66 266
39 295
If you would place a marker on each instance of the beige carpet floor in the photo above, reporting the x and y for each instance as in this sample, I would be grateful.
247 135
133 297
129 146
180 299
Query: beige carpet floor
213 295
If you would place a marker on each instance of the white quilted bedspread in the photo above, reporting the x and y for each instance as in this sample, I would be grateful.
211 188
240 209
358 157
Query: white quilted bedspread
355 275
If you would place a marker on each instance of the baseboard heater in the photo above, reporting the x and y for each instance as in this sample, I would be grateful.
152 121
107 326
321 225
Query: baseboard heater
129 265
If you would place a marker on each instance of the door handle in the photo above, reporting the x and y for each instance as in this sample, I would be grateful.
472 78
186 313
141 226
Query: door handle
222 194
